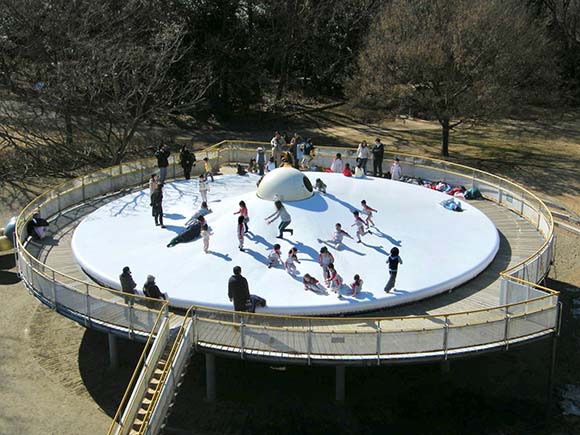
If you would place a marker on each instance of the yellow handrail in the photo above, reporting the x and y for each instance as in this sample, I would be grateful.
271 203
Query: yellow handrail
137 370
165 371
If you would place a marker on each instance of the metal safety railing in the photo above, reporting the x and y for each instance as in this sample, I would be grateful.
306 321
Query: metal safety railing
525 310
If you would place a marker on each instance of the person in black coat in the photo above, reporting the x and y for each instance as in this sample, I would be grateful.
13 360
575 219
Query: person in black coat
186 160
378 155
157 205
36 227
127 283
151 290
238 290
162 155
190 233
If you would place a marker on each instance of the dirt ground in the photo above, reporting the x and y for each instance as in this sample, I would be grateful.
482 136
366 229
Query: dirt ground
55 375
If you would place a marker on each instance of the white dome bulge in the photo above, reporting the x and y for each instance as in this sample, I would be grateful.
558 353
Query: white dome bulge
285 184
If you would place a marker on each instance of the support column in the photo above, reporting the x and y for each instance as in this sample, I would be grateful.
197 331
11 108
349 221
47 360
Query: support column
210 393
551 374
445 367
340 383
113 354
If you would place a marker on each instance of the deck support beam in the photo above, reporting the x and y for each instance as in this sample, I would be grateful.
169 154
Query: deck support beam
551 374
210 392
340 383
113 352
445 367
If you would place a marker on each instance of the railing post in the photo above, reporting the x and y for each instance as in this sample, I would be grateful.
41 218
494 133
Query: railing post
242 331
53 280
309 340
378 328
88 306
195 333
210 390
507 328
131 307
446 337
83 188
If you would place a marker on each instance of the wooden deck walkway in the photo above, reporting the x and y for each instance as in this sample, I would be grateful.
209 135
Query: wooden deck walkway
518 240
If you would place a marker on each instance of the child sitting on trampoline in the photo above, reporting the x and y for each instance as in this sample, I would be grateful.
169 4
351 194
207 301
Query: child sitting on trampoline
291 260
275 256
356 285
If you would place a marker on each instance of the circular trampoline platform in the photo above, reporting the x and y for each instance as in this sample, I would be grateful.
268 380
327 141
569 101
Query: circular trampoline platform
441 249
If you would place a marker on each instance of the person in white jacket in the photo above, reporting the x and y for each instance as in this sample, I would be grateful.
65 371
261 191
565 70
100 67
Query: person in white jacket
362 155
396 170
337 165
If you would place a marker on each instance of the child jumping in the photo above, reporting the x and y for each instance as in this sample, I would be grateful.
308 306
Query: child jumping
324 259
360 226
285 219
275 256
243 211
240 233
356 285
334 280
291 260
393 261
369 212
337 237
205 233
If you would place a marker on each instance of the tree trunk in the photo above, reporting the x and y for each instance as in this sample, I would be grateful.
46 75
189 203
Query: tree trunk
68 129
444 137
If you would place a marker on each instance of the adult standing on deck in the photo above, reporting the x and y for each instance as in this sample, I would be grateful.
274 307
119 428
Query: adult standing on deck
260 160
378 155
151 290
362 155
238 290
128 284
278 143
162 155
186 160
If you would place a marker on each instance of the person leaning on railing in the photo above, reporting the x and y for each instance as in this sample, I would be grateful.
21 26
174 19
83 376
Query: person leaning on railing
151 290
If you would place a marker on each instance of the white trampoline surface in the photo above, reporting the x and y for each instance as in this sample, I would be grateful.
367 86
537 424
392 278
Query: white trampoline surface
440 249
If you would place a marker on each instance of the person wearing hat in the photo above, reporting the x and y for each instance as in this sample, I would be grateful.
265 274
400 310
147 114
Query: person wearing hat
260 160
127 284
151 290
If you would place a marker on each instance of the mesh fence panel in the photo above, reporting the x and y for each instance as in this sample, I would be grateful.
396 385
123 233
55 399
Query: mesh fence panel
402 342
72 299
532 323
473 335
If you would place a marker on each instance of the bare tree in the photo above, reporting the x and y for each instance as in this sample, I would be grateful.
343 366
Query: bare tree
80 78
454 60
